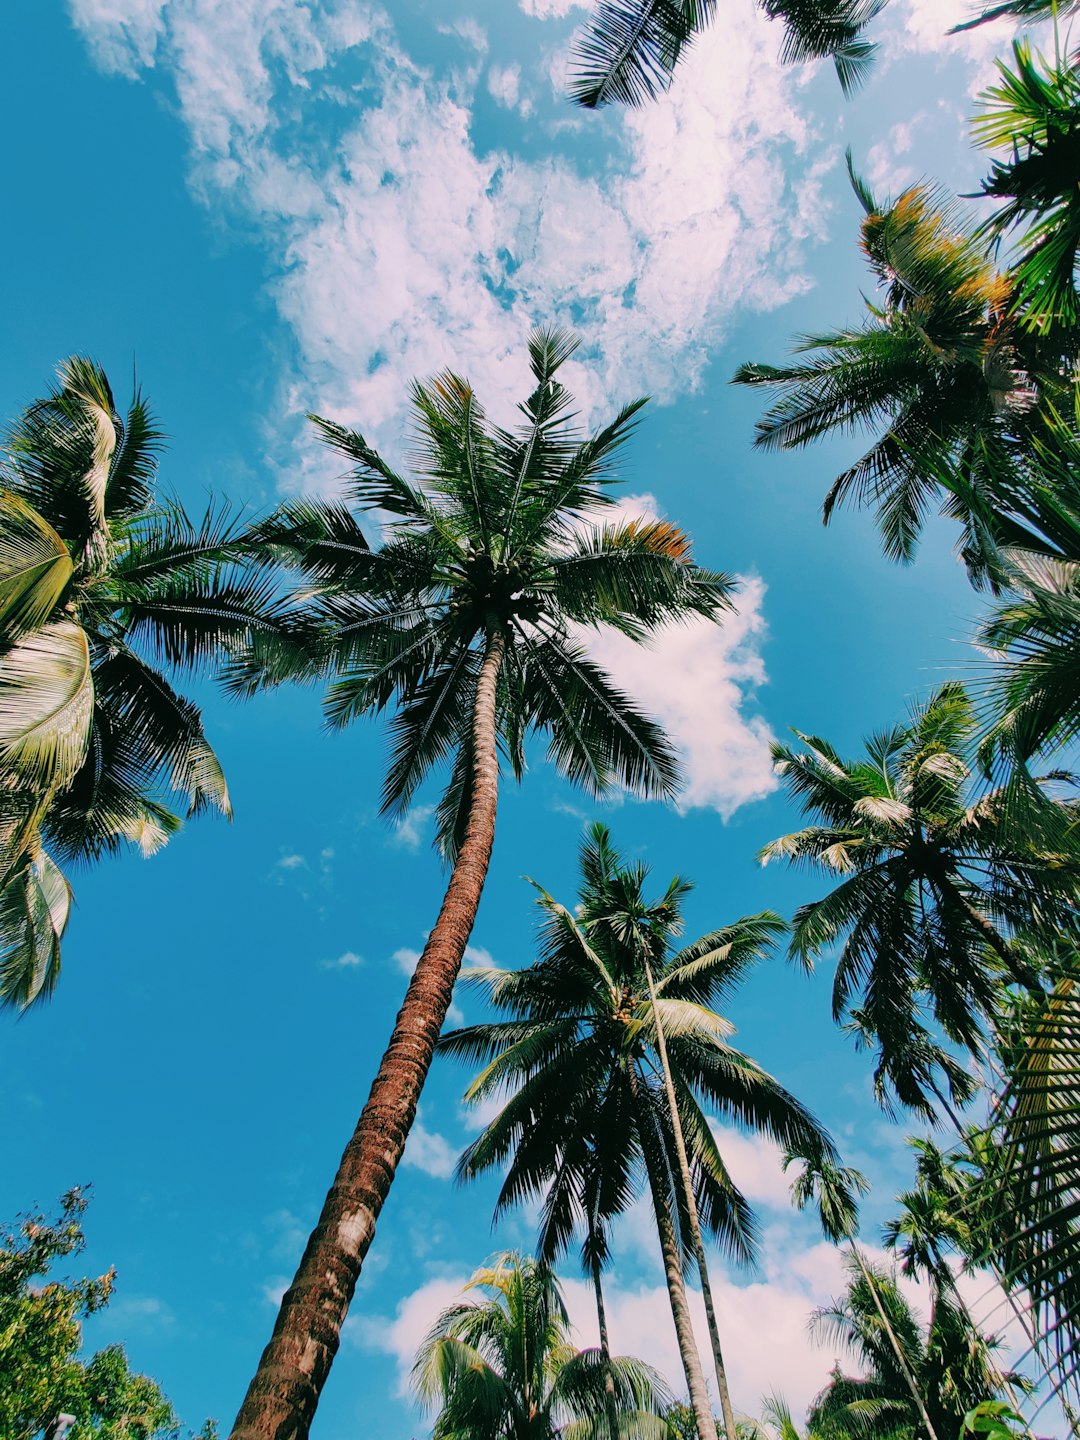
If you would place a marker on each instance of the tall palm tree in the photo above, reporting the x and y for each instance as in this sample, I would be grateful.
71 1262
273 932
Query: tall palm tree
933 885
504 1366
101 584
630 48
580 1059
470 616
942 363
1033 115
950 1361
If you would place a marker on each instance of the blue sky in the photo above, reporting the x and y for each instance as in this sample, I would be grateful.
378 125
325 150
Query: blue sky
269 207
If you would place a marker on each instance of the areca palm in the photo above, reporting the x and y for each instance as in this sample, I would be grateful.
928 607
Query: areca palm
579 1061
100 582
934 883
942 363
504 1366
630 48
470 618
951 1362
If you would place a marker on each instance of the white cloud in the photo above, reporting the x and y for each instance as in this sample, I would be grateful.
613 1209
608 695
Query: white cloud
292 862
406 959
349 961
756 1165
552 9
123 34
403 248
410 831
504 84
430 1152
697 679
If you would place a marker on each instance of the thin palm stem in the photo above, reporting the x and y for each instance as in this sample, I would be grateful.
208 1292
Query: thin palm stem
894 1340
692 1210
610 1404
669 1249
284 1393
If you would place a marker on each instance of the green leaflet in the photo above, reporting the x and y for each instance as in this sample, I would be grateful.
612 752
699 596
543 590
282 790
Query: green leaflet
35 567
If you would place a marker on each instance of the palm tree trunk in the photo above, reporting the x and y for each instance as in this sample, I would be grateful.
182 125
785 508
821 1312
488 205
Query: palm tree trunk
669 1249
894 1340
605 1353
282 1397
692 1212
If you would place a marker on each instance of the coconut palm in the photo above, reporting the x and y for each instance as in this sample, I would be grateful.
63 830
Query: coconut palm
630 48
471 617
933 885
101 584
950 1361
1033 115
579 1059
504 1366
942 363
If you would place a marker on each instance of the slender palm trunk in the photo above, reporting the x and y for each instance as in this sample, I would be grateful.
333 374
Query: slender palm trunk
282 1397
894 1340
1019 971
605 1353
672 1256
692 1212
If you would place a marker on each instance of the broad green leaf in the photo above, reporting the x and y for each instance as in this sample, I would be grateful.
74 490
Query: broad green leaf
35 566
46 705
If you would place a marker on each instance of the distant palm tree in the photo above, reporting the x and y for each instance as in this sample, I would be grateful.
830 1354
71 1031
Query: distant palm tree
942 363
951 1362
580 1058
504 1366
630 48
933 885
470 618
100 582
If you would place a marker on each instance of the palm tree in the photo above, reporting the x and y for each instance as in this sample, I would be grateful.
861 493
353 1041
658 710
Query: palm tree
469 617
934 884
630 48
942 363
1033 115
951 1363
588 1100
504 1366
100 582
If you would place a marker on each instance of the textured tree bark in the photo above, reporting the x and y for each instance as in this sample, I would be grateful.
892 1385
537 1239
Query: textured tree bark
680 1310
605 1354
692 1211
284 1393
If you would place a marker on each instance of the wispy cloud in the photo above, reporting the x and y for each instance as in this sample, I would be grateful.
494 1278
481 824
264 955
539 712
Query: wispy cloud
430 1152
349 961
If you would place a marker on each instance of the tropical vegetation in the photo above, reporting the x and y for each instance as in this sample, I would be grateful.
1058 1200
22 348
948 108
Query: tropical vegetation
460 600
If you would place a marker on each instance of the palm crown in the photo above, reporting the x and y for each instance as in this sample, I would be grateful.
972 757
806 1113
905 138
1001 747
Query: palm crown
943 362
631 48
585 1105
100 583
504 1365
933 880
499 543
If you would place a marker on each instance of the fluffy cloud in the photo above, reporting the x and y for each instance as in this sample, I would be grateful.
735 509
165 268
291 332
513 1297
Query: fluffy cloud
697 680
430 1152
402 246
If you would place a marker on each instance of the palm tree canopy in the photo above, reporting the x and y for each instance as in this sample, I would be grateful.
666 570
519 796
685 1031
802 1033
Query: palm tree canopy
942 364
630 49
504 1365
950 1361
933 879
501 534
1033 115
102 585
575 1061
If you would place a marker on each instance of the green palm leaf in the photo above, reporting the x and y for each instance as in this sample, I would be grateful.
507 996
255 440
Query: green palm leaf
35 567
